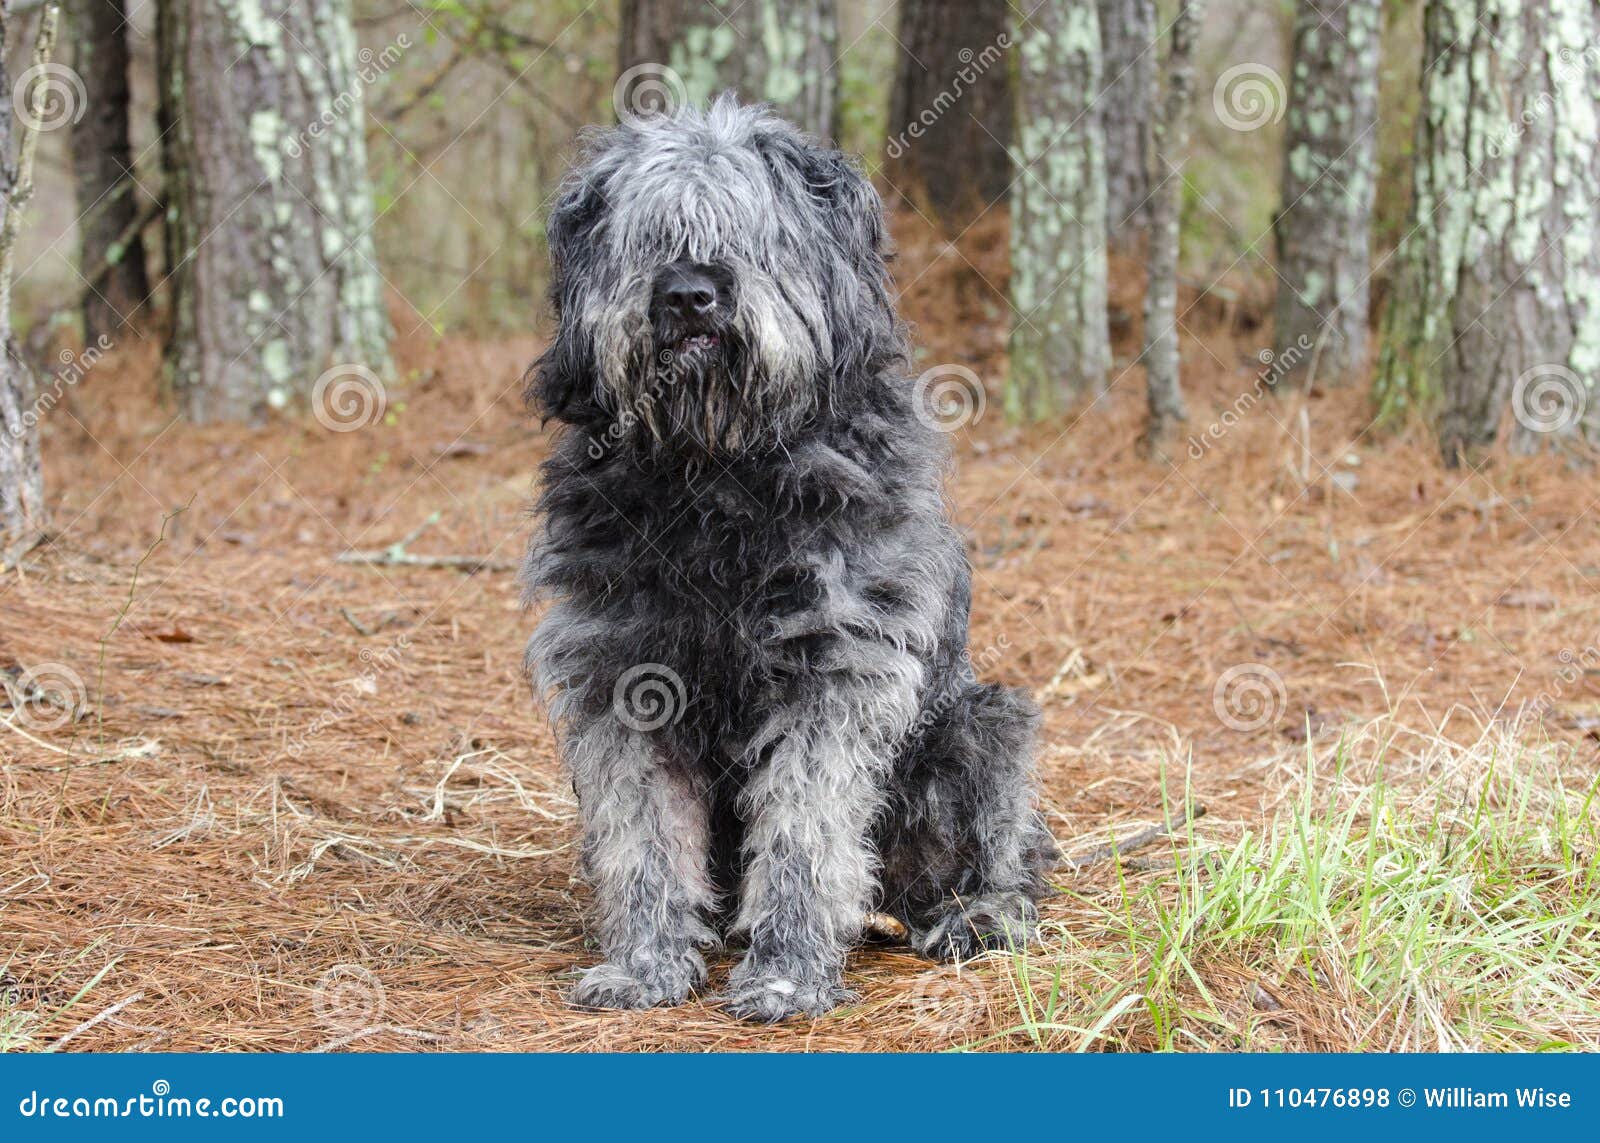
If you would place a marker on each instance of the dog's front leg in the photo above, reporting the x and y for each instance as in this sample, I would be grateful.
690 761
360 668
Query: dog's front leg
645 846
809 867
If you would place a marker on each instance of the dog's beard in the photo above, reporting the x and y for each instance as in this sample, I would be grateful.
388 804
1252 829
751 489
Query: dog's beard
698 393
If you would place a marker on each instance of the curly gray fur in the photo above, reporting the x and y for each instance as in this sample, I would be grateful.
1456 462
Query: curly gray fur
755 653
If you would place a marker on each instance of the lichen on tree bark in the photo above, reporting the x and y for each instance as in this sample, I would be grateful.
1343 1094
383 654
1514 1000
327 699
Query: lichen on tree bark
22 506
1164 395
1060 341
269 215
780 52
1324 225
1497 304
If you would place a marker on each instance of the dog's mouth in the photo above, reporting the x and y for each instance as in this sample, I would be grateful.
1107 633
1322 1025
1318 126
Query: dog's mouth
695 347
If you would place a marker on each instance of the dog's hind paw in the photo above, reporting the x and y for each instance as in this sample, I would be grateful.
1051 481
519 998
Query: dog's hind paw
607 986
960 929
769 999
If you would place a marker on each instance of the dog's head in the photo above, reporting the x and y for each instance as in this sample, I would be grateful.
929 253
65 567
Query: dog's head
718 280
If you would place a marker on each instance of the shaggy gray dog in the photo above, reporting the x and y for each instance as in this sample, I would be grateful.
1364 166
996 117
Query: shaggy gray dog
756 653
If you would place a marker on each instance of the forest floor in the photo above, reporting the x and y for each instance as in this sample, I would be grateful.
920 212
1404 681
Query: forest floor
256 798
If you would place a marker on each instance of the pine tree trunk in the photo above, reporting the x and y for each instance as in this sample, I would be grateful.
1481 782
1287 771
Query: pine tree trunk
770 51
1060 340
269 214
1128 35
1324 227
1496 305
22 514
952 107
111 251
1171 130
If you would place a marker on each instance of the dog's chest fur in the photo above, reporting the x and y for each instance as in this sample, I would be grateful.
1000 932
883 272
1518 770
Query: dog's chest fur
747 577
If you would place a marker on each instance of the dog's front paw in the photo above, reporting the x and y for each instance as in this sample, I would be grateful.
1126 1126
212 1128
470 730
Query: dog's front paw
767 998
960 929
607 986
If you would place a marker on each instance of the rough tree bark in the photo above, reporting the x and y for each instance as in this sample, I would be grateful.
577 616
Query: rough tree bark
269 214
1497 306
1128 74
1060 340
951 108
22 509
1324 227
111 251
772 51
1164 394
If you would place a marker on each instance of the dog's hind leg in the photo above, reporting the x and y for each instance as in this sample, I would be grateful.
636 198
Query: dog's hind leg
965 848
645 847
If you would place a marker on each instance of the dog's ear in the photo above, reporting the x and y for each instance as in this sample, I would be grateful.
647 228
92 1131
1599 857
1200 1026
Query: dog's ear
573 216
851 205
866 333
560 385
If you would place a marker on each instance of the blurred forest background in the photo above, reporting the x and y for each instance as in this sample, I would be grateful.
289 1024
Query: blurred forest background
470 130
473 106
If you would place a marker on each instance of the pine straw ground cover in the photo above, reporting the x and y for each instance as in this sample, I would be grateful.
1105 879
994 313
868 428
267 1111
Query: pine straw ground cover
256 798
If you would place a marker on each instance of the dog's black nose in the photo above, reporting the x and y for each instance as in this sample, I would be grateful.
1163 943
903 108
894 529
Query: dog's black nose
688 290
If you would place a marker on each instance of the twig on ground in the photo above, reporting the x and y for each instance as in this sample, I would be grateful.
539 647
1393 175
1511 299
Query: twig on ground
144 748
386 557
93 1020
1112 850
395 555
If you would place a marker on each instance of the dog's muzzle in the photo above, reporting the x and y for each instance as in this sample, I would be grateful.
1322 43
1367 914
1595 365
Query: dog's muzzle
689 307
